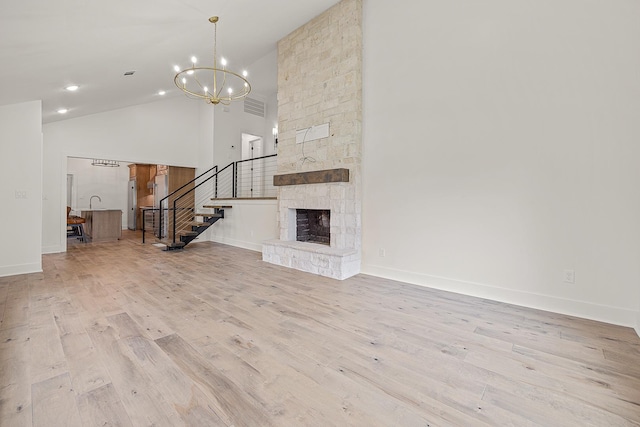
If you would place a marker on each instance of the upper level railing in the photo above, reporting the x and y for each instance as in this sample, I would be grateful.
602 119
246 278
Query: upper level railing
242 179
254 177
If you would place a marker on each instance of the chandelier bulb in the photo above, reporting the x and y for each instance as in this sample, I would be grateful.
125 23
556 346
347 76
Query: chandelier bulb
223 62
194 60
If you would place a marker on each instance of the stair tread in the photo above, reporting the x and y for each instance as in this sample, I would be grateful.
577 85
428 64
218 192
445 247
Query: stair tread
186 236
200 224
170 243
210 215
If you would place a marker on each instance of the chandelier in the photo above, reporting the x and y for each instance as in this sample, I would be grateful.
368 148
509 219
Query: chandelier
105 163
213 84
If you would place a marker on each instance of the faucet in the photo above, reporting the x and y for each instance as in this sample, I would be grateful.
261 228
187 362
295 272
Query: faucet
91 200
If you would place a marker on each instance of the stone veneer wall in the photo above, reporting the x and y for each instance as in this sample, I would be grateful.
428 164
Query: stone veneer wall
320 81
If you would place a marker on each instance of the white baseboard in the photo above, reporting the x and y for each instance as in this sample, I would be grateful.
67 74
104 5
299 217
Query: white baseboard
52 249
252 246
583 309
14 270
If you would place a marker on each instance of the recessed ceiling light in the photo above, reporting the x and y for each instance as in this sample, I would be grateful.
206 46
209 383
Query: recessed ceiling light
72 88
161 92
63 111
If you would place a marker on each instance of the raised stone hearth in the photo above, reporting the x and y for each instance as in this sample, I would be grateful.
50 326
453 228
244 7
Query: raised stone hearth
313 258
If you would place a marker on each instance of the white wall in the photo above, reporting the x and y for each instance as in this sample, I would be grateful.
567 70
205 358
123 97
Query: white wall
501 148
164 132
270 121
251 222
109 183
21 188
246 225
230 122
205 145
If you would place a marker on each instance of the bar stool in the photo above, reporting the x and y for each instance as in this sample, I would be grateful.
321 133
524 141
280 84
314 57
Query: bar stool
75 225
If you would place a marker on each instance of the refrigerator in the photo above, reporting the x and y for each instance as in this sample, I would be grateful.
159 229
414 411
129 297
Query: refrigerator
132 205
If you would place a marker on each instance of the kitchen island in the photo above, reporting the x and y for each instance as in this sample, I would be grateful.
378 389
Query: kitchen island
102 225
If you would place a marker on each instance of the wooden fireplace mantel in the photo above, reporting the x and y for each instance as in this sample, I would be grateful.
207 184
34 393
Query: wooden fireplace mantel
313 177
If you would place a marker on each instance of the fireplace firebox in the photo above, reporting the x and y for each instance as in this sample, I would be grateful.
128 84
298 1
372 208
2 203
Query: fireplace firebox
313 225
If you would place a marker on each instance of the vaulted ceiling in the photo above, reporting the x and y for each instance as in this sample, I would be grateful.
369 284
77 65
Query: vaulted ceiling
46 45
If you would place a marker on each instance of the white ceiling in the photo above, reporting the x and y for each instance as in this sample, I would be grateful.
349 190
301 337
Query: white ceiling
46 45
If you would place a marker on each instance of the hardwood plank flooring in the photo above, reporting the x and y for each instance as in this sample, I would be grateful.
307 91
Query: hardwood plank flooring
124 334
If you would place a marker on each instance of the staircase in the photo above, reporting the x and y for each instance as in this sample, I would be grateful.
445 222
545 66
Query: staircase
201 222
188 212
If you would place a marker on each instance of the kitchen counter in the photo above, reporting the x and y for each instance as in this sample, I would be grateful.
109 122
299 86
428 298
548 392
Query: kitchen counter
102 225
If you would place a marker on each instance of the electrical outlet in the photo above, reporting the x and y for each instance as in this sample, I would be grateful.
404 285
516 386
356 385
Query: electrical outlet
382 252
570 276
21 194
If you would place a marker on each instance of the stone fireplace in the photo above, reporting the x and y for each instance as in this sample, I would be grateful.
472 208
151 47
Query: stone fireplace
320 87
334 202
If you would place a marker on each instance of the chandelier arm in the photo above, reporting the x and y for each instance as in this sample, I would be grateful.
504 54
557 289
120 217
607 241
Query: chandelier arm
215 79
224 80
195 77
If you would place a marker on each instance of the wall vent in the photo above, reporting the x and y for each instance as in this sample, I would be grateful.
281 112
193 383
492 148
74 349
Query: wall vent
253 106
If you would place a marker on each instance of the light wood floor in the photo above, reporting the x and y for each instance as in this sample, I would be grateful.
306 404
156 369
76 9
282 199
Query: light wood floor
121 334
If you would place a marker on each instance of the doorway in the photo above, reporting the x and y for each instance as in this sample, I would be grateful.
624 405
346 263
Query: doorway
251 172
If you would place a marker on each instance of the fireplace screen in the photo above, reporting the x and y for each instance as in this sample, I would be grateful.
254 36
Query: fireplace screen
312 225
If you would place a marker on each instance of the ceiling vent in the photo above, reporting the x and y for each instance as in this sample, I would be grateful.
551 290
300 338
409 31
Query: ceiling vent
129 73
253 106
